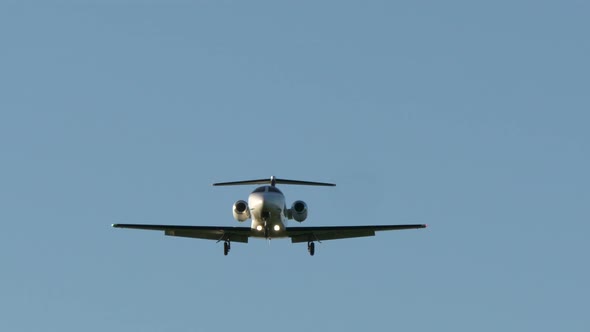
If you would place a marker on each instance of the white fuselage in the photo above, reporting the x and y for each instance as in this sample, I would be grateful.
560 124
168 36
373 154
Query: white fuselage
268 212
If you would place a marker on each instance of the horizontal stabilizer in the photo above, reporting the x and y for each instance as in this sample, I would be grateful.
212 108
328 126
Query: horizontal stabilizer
272 181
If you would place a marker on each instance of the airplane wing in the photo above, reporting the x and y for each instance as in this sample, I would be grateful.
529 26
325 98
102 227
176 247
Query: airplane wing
306 234
235 234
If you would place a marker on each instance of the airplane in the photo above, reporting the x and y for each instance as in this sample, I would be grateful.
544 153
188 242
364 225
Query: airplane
269 213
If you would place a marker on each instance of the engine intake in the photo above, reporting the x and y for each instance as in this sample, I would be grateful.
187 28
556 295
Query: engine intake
298 211
241 211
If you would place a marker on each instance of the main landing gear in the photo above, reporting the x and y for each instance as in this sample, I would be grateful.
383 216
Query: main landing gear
226 247
311 247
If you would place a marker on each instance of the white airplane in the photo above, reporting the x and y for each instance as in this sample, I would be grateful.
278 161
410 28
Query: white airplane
269 213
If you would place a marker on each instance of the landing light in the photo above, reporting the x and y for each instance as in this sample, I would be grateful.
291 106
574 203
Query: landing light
258 228
277 228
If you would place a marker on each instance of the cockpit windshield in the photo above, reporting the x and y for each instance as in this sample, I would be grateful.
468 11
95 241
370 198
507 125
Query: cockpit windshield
274 190
267 189
260 190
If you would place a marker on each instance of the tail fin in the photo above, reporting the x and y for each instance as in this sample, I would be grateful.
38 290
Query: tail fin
273 181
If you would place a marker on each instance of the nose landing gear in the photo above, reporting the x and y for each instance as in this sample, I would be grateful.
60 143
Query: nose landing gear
265 218
311 248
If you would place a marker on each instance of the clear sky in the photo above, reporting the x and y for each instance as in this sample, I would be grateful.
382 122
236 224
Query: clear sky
469 116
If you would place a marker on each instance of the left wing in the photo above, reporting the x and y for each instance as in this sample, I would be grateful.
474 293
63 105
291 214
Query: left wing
306 234
236 234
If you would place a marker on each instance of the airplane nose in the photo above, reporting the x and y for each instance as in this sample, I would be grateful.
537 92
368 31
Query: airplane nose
255 200
265 205
269 204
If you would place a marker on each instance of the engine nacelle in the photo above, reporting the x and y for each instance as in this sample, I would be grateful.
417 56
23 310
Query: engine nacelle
241 211
298 211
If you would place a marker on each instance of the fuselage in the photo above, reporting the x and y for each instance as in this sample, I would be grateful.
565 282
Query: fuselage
268 211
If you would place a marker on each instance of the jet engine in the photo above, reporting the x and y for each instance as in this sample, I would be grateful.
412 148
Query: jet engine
298 211
241 211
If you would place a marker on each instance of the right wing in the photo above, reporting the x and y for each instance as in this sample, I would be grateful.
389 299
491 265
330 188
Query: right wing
236 234
306 234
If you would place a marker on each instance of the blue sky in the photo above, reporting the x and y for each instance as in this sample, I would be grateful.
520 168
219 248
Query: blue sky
471 117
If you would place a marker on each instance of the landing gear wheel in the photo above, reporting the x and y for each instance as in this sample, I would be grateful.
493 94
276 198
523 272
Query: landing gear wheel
311 248
226 247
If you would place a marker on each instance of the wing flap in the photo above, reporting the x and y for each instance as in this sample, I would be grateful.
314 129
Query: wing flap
305 234
236 234
324 236
208 235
